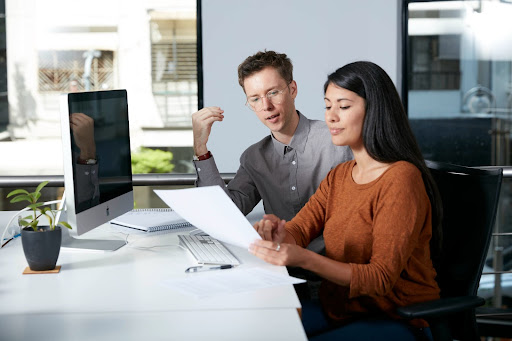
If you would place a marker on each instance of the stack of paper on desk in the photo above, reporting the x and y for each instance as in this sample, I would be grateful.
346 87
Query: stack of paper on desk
211 210
228 282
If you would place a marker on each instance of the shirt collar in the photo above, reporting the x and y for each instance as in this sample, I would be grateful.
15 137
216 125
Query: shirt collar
299 138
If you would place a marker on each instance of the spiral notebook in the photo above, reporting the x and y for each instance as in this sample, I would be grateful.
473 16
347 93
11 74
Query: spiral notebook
151 220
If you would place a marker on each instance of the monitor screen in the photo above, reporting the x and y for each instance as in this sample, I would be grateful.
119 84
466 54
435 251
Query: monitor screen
107 122
97 160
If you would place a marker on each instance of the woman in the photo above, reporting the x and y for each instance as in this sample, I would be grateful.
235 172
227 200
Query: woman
376 213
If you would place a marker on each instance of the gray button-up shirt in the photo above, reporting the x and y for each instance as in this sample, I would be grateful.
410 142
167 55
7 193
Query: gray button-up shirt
284 176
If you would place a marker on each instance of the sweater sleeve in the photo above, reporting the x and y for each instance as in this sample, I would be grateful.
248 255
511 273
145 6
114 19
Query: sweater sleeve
401 214
309 222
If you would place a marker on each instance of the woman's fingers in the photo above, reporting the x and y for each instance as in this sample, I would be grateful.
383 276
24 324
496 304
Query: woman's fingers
264 229
270 252
272 217
267 230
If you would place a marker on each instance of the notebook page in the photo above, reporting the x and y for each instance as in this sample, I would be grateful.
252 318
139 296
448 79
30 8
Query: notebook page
148 219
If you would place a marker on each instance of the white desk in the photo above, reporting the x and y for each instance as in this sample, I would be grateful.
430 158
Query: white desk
119 296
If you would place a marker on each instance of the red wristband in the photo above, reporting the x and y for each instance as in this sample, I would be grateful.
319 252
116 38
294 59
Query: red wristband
204 156
86 161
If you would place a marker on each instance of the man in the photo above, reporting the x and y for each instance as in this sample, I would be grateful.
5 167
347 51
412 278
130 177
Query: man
86 165
283 169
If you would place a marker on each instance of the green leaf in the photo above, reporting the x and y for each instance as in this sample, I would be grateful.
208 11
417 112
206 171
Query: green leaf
36 205
32 197
34 224
16 191
50 220
41 185
38 195
26 221
21 198
63 223
148 160
23 222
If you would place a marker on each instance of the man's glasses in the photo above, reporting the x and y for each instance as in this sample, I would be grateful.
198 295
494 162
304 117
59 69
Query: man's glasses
255 103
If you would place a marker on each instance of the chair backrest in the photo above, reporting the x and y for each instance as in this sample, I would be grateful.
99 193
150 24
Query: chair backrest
470 200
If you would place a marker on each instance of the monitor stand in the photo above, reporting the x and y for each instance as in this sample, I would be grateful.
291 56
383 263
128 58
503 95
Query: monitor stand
70 243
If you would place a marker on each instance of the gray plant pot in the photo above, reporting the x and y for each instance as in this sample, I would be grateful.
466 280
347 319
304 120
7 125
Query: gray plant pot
41 248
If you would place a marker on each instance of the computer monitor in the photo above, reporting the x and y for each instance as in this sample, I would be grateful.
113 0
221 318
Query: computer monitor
97 164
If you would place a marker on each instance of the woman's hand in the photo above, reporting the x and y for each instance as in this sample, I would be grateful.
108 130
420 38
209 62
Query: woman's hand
277 253
273 249
271 228
273 218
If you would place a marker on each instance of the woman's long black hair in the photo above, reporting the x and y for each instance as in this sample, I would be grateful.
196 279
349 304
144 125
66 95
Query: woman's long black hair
387 135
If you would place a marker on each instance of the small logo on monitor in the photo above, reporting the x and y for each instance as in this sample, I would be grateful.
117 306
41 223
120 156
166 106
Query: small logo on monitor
107 211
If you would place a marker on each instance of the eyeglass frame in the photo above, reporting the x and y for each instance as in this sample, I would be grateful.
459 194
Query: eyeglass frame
266 95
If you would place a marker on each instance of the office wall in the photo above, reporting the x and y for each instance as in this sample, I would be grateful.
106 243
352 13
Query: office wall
319 36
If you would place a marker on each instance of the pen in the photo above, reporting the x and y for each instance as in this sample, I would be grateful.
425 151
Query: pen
202 268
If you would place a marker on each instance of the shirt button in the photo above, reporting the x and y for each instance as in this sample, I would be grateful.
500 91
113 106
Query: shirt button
293 188
86 173
294 162
198 169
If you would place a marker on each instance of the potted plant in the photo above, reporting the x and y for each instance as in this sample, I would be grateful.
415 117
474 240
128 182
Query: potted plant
41 243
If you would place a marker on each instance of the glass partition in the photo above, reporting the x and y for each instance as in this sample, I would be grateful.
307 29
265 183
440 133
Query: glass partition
457 89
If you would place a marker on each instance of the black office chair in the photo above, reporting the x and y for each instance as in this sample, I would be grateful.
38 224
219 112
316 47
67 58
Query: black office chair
470 200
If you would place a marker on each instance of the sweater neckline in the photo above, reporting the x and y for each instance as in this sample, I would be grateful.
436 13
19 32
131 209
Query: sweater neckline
371 183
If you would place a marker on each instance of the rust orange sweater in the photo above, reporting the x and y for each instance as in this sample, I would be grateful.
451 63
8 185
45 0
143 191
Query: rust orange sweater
382 229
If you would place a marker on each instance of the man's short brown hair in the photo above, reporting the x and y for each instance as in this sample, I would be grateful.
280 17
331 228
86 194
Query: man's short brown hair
263 59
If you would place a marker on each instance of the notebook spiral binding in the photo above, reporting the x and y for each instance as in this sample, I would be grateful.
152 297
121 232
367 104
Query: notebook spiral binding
165 209
142 222
169 227
163 227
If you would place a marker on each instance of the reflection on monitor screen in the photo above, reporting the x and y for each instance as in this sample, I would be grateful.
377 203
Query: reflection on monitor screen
97 163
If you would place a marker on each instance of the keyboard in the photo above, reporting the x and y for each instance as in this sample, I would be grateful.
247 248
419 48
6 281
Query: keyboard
207 250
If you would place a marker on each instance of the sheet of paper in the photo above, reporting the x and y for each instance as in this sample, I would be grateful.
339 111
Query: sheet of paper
211 210
233 281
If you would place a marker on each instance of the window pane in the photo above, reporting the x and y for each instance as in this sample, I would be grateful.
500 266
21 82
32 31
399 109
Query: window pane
460 80
459 90
174 68
65 71
57 46
432 70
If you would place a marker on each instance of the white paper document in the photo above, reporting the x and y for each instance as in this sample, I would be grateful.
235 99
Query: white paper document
211 210
224 282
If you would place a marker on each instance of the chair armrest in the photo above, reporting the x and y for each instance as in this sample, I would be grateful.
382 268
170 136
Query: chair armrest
440 307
